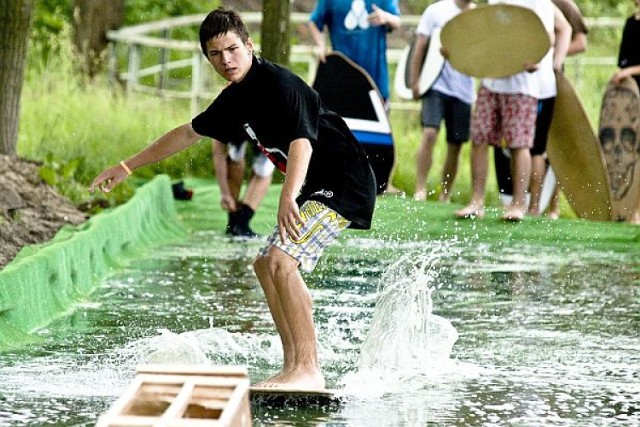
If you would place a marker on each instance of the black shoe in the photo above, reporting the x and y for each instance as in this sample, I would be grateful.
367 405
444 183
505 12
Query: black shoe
243 232
231 223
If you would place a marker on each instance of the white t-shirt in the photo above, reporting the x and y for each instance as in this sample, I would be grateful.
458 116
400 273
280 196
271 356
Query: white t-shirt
541 83
450 82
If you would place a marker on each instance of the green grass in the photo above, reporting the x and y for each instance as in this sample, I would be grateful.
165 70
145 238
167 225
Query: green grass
66 119
402 219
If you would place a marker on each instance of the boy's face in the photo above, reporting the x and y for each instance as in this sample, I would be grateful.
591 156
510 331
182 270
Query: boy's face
230 57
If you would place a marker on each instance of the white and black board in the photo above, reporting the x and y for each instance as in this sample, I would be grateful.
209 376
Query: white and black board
431 67
502 164
348 90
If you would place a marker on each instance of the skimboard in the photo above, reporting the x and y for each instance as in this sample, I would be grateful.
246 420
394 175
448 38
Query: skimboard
294 398
502 163
348 90
495 41
431 67
620 138
576 156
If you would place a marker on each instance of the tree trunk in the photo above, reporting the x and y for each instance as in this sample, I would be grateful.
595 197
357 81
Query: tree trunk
93 18
275 39
15 16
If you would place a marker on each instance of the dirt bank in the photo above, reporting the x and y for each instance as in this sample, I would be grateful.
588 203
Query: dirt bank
30 210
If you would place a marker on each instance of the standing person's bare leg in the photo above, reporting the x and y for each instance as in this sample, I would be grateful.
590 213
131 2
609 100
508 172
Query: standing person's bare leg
479 160
538 169
554 204
423 162
520 176
296 320
256 190
635 215
261 267
235 172
449 171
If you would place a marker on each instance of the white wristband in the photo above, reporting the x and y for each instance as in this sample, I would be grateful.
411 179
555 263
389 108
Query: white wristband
125 167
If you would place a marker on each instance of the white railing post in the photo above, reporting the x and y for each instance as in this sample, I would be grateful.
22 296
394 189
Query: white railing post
166 34
137 37
196 80
134 67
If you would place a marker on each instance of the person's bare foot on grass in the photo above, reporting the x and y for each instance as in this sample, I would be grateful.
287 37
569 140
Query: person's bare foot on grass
553 215
473 210
420 196
513 214
444 198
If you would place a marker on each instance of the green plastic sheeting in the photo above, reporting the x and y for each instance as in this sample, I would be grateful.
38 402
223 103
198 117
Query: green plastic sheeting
45 282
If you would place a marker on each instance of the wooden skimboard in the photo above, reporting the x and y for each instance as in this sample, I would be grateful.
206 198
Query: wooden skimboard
431 67
495 41
576 156
294 398
502 164
347 89
620 139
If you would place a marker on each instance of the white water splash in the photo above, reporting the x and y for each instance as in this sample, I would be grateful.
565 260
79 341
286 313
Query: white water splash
406 340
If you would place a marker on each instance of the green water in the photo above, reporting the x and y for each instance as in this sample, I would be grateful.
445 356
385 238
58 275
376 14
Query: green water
546 336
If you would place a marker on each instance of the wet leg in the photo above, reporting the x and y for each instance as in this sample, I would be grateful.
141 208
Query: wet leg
292 307
479 161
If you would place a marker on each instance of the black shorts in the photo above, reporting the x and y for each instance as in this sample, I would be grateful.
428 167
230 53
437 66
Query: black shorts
543 123
436 106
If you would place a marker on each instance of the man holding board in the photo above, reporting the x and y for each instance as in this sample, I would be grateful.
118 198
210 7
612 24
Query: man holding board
449 99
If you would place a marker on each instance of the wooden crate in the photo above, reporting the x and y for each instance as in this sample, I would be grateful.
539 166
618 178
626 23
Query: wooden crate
183 396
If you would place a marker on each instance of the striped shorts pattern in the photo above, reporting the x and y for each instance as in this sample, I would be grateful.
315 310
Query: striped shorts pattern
321 228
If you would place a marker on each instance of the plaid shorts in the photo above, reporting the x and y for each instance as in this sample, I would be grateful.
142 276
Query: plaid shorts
508 116
321 228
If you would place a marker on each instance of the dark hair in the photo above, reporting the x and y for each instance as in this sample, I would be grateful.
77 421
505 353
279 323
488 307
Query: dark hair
219 22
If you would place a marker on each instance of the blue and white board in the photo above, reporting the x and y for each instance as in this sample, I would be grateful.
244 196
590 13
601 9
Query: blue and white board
431 68
348 90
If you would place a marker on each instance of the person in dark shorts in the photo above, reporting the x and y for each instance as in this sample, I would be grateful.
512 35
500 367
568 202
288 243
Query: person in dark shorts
449 99
328 184
229 166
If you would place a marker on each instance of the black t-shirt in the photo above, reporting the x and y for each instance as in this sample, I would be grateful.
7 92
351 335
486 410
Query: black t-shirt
629 47
272 107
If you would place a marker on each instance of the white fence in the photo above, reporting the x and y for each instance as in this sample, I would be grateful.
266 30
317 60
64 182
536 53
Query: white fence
137 38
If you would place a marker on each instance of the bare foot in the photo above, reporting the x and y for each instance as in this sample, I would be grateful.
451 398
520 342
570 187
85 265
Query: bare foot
296 379
534 214
420 196
392 191
635 218
553 215
513 214
471 211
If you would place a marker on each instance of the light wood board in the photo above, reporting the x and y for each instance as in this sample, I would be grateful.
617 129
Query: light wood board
495 41
619 134
576 156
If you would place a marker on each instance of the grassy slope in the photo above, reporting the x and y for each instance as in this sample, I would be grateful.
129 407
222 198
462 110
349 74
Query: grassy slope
403 219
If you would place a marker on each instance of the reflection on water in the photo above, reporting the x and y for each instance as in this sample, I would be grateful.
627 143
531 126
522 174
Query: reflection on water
544 335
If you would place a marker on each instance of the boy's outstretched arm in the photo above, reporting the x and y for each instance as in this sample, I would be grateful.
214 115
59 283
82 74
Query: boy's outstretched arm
168 144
